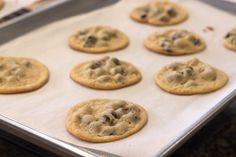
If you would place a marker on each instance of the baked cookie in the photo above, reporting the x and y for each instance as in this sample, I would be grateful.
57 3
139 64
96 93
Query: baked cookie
230 40
1 4
98 39
160 13
105 73
21 75
191 77
104 120
175 42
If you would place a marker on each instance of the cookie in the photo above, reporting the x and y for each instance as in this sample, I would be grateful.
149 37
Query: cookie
105 73
160 13
174 42
104 120
21 75
1 4
98 39
191 77
230 40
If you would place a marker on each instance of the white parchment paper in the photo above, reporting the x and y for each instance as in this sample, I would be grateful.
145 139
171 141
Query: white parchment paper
169 115
13 5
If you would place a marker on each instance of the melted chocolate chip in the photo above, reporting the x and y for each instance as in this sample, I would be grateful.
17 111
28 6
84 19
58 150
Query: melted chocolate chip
164 18
227 35
189 71
116 61
90 41
171 12
176 36
114 114
169 50
135 118
163 44
96 65
106 119
143 16
196 41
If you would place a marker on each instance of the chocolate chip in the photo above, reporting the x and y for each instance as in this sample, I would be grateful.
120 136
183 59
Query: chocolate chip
96 64
227 35
90 41
116 61
114 114
166 46
107 119
189 71
108 131
176 36
163 44
164 18
196 41
171 12
143 16
169 50
135 118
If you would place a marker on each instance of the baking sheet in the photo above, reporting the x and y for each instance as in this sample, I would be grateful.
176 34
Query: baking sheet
13 5
169 115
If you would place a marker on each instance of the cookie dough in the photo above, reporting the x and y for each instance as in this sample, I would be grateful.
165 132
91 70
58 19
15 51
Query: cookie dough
1 4
174 42
104 120
105 73
230 39
191 77
160 13
98 39
21 75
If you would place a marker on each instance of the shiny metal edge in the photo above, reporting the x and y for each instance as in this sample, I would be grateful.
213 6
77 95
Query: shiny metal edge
42 8
191 130
47 142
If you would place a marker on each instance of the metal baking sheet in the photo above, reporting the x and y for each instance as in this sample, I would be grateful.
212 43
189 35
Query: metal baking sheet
13 5
172 118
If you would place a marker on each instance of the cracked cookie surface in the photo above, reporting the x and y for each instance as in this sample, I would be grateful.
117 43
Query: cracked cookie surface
230 40
174 42
21 75
105 73
98 39
160 13
191 77
105 120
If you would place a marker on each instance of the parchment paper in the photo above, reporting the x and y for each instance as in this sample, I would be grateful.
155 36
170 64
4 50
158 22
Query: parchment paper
13 5
169 115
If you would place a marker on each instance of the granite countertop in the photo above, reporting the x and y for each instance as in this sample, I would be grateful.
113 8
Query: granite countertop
216 139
